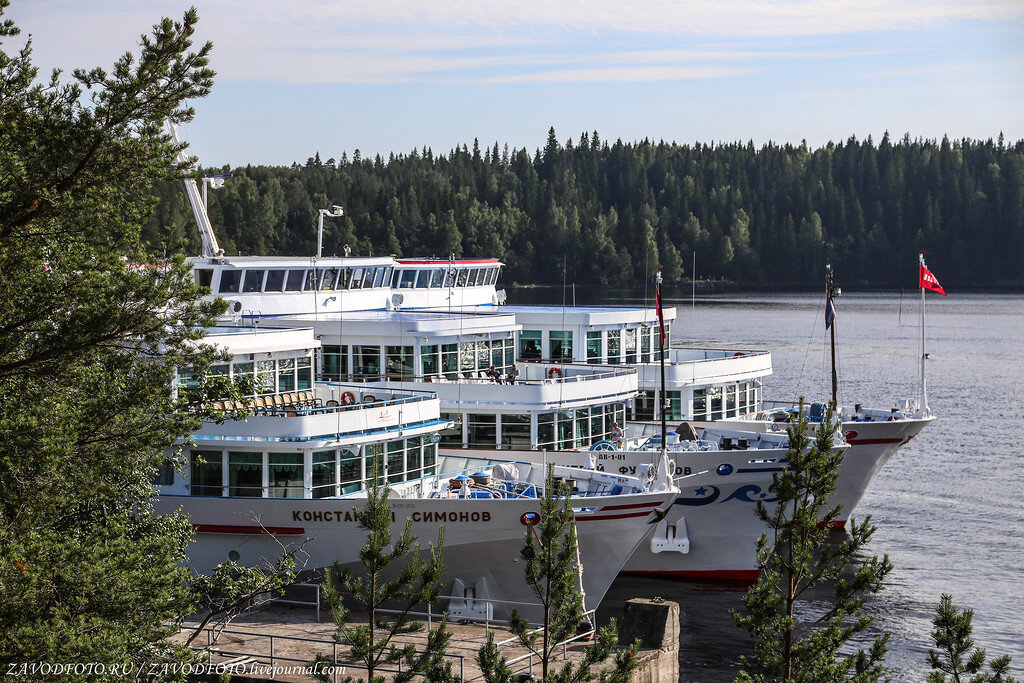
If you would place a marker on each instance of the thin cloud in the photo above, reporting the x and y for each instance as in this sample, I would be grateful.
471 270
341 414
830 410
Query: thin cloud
397 41
624 74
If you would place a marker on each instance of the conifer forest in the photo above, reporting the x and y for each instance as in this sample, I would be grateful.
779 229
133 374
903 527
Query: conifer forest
593 212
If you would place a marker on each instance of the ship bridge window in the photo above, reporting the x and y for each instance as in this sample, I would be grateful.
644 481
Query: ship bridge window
357 278
700 405
265 376
494 276
285 475
501 354
350 470
594 346
437 277
482 430
715 393
515 431
545 430
367 361
429 361
275 281
529 344
312 278
229 281
346 280
253 281
325 470
462 275
646 333
380 277
406 278
396 461
367 279
450 361
561 345
614 346
204 277
245 474
163 475
449 277
399 361
329 279
286 375
334 362
303 373
243 373
206 474
631 346
423 281
295 278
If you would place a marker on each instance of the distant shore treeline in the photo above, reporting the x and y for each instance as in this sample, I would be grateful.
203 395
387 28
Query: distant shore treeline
605 214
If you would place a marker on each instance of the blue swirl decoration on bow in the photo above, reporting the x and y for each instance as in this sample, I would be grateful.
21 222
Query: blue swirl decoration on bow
751 493
705 496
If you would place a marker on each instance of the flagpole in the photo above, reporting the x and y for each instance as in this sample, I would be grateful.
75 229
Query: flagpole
661 346
924 393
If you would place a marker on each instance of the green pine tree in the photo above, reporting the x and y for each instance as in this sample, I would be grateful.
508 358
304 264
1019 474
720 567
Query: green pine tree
551 569
795 556
955 662
382 586
88 352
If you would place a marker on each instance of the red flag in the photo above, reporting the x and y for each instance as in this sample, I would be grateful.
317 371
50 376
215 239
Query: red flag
661 318
926 280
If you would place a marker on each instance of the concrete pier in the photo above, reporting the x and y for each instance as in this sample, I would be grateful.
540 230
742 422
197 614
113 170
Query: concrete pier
275 643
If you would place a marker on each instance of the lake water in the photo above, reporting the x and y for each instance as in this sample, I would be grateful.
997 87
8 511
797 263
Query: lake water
948 506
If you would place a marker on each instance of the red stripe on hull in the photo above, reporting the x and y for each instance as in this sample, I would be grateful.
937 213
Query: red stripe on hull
623 516
630 507
835 524
248 530
873 442
710 575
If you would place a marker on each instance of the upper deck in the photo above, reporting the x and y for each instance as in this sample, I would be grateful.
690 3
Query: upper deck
256 286
329 414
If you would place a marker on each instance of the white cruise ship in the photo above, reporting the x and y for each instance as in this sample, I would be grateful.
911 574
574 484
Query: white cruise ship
292 473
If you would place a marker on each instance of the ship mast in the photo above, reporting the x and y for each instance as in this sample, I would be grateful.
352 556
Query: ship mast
210 246
829 306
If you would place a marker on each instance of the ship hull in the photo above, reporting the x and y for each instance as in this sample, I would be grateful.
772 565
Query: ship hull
712 518
482 544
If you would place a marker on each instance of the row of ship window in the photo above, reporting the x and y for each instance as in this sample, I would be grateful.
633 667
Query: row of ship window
273 376
631 345
712 403
399 362
556 430
282 475
330 279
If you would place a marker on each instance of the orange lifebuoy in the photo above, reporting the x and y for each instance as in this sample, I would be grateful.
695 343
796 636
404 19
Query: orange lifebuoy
347 398
554 371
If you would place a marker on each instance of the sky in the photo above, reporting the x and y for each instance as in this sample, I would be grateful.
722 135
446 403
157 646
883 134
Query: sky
300 77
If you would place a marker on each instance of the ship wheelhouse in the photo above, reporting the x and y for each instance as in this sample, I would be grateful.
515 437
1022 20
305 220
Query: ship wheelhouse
261 287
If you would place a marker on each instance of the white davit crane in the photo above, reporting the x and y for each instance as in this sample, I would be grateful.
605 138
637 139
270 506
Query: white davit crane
210 246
